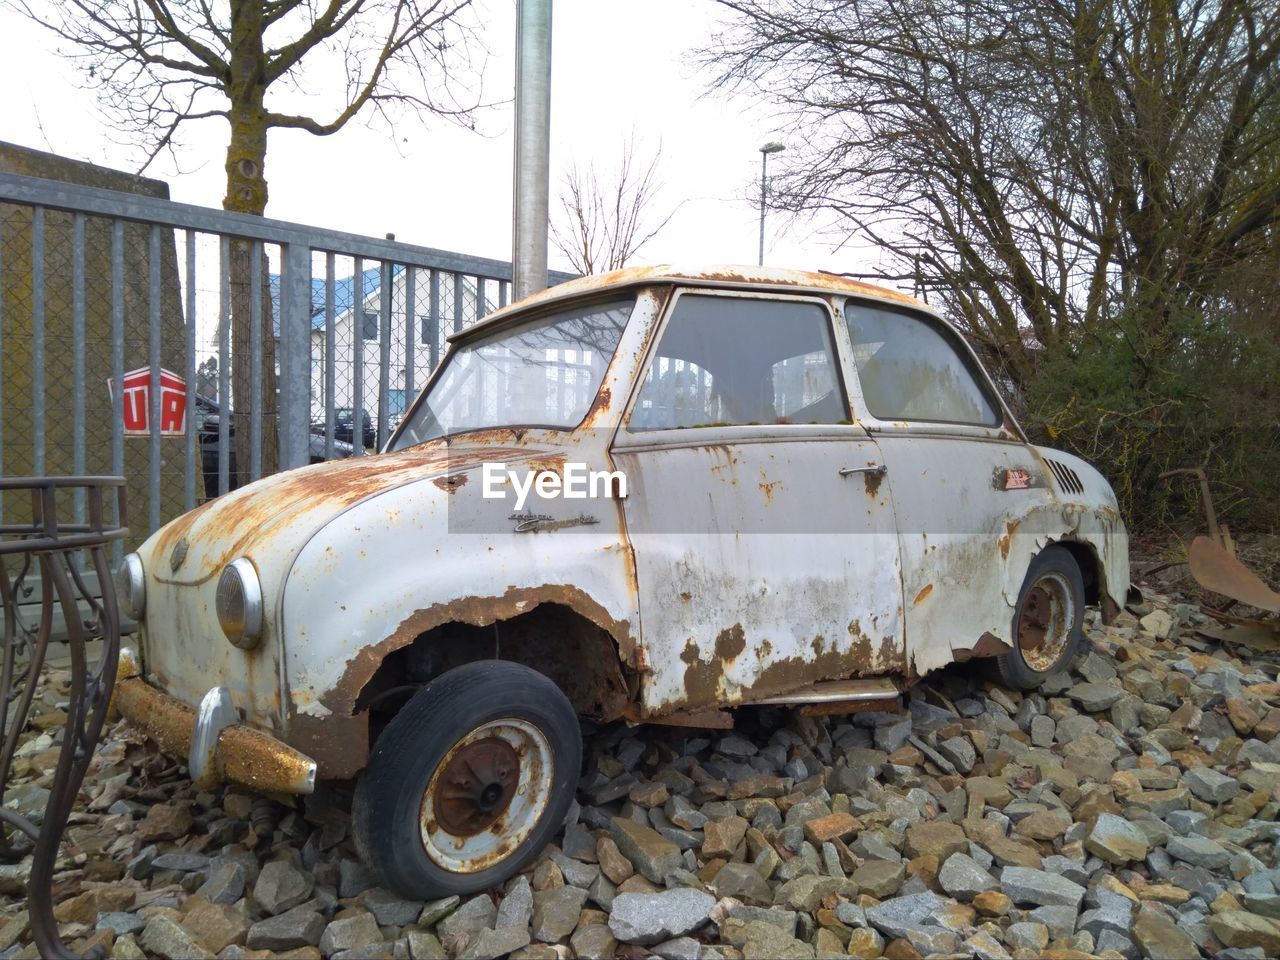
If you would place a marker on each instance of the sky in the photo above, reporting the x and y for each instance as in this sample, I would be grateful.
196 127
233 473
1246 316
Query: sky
620 69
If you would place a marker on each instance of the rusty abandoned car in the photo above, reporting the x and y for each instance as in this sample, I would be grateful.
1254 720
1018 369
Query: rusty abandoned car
816 496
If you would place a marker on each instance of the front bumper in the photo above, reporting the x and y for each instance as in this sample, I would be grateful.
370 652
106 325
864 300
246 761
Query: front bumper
230 752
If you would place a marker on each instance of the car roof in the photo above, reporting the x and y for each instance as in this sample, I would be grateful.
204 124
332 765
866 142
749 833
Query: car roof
762 279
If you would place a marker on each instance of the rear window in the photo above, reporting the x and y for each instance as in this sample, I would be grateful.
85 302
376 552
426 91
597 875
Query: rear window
911 370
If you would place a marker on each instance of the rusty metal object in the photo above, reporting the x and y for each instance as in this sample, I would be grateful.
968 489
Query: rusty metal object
988 645
1044 623
1216 570
58 550
243 755
482 800
869 689
476 786
839 708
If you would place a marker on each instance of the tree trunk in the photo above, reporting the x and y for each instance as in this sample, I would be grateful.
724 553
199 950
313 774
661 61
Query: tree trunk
247 193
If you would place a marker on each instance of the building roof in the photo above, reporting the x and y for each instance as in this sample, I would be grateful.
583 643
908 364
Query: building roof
740 277
343 295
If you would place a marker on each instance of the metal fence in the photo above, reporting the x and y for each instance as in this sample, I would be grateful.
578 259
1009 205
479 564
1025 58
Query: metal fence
328 335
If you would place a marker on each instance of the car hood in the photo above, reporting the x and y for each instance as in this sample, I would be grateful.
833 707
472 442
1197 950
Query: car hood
284 510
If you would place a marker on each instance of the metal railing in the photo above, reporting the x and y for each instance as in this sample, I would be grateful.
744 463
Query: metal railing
94 283
57 555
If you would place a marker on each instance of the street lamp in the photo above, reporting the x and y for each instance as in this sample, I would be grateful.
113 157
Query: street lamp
771 147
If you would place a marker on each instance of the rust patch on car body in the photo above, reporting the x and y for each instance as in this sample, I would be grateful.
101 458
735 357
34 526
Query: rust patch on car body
477 611
1006 541
237 521
705 680
871 480
451 483
922 595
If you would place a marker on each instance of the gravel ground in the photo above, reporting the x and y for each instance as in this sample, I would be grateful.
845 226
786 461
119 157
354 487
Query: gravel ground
1128 810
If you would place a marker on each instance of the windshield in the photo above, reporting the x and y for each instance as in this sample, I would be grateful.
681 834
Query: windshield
544 373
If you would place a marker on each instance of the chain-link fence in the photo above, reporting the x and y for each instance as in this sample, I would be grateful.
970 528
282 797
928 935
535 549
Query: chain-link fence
193 350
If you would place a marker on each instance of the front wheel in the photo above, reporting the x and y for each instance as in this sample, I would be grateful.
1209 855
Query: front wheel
468 782
1048 622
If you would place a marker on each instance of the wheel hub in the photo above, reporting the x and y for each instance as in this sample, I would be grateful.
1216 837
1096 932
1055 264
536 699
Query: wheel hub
1045 622
1034 624
476 786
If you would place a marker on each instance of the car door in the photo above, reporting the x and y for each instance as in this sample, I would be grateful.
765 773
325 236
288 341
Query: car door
765 559
959 476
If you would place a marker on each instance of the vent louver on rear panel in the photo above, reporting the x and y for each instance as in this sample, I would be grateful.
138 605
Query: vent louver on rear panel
1067 479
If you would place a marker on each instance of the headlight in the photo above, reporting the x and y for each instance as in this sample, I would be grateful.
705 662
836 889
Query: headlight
131 586
239 604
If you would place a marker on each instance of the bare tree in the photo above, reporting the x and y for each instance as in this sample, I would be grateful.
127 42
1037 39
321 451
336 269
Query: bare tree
162 64
1076 183
1025 160
603 223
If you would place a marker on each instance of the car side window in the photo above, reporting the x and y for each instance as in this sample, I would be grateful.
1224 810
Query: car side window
734 361
909 370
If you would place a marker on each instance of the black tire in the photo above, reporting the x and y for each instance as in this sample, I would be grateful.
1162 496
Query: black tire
425 736
1056 575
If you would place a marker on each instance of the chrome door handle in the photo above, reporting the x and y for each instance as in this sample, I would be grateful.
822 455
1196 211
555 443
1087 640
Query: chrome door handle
878 470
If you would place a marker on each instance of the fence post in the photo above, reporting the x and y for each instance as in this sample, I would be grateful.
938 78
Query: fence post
295 350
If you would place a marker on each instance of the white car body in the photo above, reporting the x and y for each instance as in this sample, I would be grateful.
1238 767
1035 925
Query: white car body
745 561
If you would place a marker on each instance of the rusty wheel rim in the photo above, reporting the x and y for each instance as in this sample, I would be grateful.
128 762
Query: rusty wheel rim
476 786
1045 621
487 795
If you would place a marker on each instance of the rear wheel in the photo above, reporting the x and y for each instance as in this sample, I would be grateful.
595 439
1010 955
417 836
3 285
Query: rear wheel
468 782
1048 622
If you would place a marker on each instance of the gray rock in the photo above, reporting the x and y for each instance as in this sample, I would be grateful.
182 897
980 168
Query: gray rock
281 887
895 917
556 911
594 942
1210 785
1116 913
492 944
225 884
889 737
650 852
1095 668
964 878
390 910
436 910
299 927
168 939
742 881
1042 729
960 752
1198 851
1095 697
516 909
1027 936
1060 920
681 948
648 918
1116 840
468 920
1040 888
182 862
425 946
353 878
348 933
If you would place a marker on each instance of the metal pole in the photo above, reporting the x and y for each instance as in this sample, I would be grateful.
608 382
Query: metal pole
772 147
532 147
764 166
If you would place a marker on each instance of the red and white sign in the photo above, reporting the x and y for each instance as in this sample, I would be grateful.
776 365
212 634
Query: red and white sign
137 403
